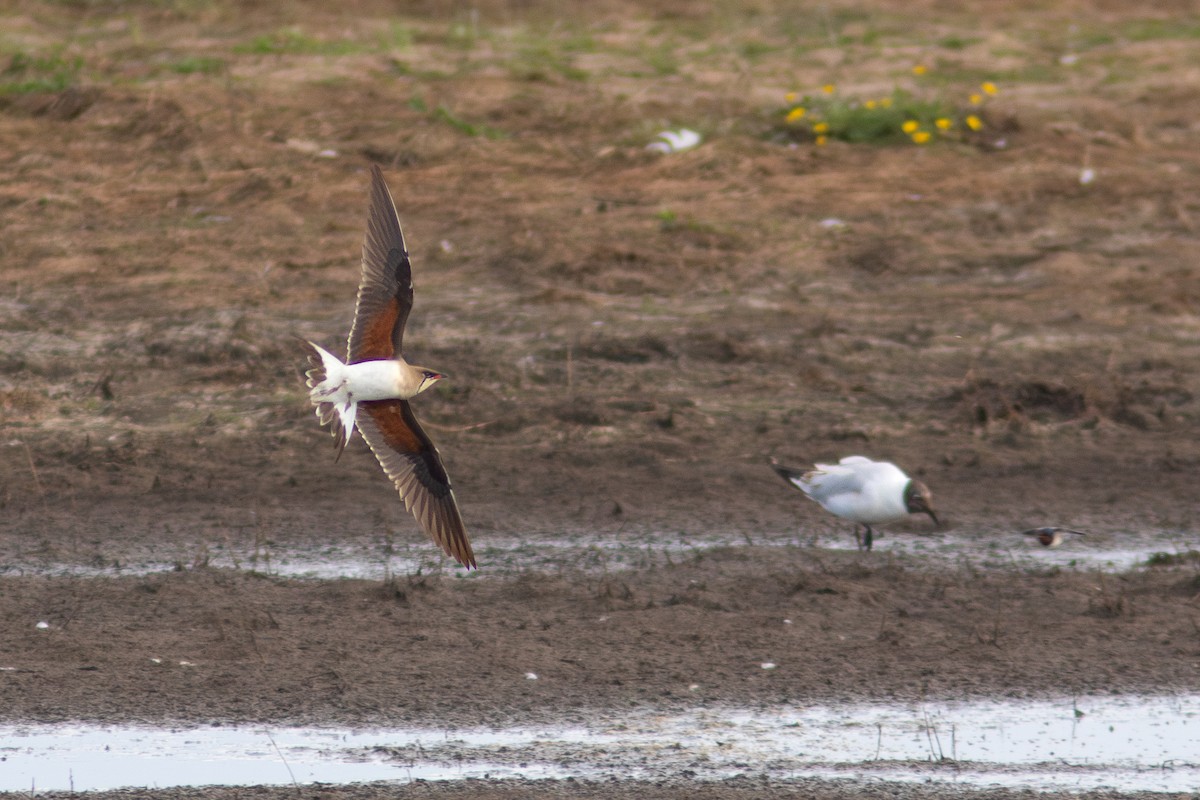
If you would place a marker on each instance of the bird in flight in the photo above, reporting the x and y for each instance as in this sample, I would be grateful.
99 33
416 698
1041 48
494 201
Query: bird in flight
1050 537
371 389
863 491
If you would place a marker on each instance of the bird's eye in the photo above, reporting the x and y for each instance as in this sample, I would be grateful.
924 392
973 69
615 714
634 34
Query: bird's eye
429 375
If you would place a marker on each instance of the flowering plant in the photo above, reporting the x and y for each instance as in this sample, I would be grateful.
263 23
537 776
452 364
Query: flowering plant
901 116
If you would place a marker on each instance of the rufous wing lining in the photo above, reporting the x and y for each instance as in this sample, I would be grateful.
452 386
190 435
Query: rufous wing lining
385 292
412 462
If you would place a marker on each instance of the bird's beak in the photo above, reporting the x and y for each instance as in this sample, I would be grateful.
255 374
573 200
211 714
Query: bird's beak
936 522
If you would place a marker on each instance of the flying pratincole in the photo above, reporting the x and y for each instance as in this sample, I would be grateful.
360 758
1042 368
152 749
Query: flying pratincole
371 389
861 490
1050 537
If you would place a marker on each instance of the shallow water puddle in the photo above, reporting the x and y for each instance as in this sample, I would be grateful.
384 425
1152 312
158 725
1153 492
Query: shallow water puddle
1121 743
616 552
1112 552
93 758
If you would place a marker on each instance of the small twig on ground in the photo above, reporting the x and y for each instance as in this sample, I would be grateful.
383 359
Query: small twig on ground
286 765
932 736
37 481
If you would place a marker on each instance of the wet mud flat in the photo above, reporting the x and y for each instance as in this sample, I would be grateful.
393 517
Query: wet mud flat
629 336
237 646
742 788
737 668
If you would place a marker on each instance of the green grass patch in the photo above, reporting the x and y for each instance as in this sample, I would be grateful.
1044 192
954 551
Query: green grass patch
661 58
948 74
1095 39
1173 559
443 114
397 37
957 42
754 50
463 35
26 73
203 65
1147 30
292 41
542 61
469 128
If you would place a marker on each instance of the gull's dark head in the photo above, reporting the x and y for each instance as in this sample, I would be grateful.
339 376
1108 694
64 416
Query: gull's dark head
919 500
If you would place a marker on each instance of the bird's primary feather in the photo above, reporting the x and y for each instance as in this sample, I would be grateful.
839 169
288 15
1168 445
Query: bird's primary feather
385 292
409 458
376 381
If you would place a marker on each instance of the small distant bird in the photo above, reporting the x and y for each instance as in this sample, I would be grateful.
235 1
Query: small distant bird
1050 537
675 141
376 380
861 490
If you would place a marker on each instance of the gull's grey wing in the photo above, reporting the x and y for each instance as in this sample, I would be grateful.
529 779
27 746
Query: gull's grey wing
823 480
829 480
792 475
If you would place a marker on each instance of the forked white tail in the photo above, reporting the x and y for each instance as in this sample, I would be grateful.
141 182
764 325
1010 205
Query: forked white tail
328 391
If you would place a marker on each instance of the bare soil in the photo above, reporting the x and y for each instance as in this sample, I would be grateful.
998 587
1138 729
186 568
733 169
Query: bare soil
629 337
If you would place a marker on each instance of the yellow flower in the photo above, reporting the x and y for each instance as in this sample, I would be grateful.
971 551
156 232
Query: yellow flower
920 69
942 123
886 102
821 127
910 125
821 141
870 104
976 99
791 97
988 87
796 114
828 88
921 137
974 122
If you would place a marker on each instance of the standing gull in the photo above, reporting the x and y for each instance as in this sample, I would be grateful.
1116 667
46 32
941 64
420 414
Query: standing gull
377 381
863 491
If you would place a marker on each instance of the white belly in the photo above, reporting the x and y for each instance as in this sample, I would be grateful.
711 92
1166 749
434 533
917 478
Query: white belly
869 507
372 380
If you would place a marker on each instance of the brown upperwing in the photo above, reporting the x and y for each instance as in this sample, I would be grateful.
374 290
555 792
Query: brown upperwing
412 462
385 293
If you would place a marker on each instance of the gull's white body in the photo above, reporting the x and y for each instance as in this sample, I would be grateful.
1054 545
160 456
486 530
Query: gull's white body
347 385
858 489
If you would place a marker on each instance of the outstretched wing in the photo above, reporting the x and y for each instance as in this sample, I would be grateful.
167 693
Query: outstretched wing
412 462
385 293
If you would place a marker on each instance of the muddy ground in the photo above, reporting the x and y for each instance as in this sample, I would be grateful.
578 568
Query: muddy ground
629 337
